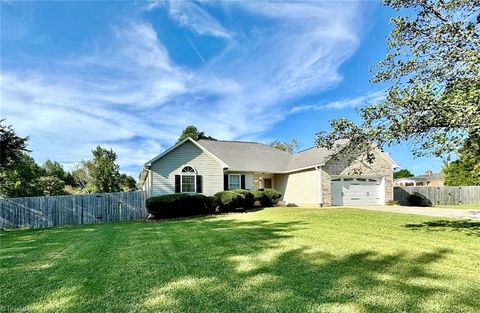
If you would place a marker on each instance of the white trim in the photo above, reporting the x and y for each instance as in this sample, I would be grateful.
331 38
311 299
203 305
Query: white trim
303 168
320 185
239 181
388 158
194 174
194 183
150 178
149 163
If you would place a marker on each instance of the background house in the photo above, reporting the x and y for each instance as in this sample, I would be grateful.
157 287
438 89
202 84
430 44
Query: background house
428 179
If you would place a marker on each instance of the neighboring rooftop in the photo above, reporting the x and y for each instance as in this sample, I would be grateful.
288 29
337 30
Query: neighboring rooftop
429 175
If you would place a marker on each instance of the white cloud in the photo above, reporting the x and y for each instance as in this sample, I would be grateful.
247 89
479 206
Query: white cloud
127 93
193 16
369 98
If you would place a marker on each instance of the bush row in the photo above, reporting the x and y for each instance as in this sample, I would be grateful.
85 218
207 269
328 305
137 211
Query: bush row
182 204
178 204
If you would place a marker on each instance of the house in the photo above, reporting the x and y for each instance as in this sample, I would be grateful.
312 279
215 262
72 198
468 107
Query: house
428 179
312 177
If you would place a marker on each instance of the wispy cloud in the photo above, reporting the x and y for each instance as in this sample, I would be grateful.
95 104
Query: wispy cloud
193 16
369 98
127 92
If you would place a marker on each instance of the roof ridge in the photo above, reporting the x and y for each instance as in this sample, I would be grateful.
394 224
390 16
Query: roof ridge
313 147
249 142
239 141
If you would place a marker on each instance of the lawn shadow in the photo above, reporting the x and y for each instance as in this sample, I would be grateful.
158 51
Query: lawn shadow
214 264
467 227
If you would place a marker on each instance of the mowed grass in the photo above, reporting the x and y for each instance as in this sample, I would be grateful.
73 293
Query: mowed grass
274 260
461 206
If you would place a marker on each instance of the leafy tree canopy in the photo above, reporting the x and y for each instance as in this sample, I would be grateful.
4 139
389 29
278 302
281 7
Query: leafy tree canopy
192 132
433 69
21 176
19 180
101 173
466 170
50 185
127 183
55 169
291 146
104 171
403 173
12 146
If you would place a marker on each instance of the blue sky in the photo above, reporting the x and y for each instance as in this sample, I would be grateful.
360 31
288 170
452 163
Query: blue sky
132 75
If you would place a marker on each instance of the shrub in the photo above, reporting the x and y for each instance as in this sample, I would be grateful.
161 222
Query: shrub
231 200
249 199
178 204
267 197
417 199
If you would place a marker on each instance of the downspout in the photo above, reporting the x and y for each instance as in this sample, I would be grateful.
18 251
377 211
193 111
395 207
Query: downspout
150 182
320 185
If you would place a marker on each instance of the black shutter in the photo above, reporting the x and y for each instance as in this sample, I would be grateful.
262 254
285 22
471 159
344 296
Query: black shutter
177 183
225 182
242 183
199 184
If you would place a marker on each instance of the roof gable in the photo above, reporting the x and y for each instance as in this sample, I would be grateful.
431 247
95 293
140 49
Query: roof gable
188 139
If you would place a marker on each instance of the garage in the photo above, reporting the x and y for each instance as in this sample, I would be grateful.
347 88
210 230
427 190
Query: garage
357 191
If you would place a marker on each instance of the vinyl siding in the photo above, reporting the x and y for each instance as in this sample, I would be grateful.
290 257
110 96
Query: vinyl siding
164 170
299 188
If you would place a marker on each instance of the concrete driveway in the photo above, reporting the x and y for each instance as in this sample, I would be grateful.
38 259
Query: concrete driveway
428 211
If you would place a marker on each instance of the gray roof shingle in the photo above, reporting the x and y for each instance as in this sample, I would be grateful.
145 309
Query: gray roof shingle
258 157
248 156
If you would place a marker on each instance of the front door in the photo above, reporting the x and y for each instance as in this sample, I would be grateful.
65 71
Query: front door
267 183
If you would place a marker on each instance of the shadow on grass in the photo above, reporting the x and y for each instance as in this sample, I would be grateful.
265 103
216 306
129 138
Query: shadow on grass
468 227
214 265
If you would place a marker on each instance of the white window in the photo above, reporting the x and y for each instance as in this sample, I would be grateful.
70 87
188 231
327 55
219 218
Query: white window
234 181
189 179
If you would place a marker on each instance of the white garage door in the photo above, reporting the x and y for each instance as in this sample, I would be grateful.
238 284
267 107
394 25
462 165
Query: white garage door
351 191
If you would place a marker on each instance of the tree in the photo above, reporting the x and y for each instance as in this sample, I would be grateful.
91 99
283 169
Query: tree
127 183
12 146
81 173
192 132
101 174
104 172
19 180
403 173
466 170
291 146
54 168
50 185
433 69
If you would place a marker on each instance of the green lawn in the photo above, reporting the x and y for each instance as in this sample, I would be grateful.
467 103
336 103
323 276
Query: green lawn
274 260
461 206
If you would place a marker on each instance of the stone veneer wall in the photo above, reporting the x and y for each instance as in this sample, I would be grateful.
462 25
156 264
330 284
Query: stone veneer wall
381 167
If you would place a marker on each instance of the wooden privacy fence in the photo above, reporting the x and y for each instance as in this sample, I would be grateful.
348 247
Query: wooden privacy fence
440 195
38 212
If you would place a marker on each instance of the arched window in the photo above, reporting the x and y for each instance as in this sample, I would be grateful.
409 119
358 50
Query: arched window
189 179
188 169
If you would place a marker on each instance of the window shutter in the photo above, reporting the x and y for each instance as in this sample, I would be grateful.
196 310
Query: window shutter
242 183
177 183
225 182
199 184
